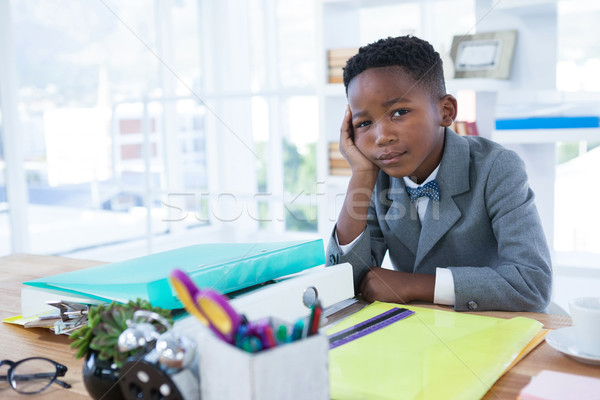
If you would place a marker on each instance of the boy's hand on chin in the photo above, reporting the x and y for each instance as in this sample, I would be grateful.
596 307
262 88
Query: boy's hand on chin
357 160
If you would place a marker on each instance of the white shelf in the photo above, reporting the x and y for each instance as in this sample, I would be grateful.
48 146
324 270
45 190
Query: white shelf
335 89
337 180
477 84
506 136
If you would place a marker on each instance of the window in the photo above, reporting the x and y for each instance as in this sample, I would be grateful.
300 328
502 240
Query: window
141 119
300 162
270 74
4 220
577 216
296 43
578 51
111 127
576 212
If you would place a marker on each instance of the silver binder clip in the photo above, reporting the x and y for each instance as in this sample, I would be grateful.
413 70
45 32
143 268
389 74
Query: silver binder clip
72 316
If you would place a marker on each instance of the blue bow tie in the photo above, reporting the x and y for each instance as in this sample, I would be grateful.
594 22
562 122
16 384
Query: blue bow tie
430 189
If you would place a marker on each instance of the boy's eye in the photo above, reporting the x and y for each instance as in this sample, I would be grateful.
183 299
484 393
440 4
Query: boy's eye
399 113
362 124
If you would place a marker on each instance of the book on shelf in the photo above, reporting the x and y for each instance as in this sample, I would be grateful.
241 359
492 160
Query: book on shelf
336 61
334 163
340 171
336 75
465 128
334 150
337 163
338 57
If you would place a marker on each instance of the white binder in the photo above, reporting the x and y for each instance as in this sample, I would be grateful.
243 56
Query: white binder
283 299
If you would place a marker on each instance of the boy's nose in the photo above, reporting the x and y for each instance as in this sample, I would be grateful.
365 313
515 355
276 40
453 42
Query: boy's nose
383 136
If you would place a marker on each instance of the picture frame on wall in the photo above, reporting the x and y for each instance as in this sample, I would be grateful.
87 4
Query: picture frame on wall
484 55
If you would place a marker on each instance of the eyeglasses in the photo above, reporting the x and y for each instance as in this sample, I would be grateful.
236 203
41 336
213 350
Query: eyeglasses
34 374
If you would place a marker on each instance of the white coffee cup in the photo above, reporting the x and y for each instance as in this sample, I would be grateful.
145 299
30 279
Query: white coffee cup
585 313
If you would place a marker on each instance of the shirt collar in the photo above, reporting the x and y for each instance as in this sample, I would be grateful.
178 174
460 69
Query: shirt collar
409 183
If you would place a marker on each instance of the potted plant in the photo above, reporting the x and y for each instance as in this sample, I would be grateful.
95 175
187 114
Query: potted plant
97 342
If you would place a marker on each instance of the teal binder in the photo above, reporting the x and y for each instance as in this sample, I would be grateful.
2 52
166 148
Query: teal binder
225 267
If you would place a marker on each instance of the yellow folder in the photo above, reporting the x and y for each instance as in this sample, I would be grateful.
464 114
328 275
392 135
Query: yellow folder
432 354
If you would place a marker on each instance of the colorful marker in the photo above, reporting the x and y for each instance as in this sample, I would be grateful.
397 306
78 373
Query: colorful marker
298 330
251 344
282 334
269 337
315 318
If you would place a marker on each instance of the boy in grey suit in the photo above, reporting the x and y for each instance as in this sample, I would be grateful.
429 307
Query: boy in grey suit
455 213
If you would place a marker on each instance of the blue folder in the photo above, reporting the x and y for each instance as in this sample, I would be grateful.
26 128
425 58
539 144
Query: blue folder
225 267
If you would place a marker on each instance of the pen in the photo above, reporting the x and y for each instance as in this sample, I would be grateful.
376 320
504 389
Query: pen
315 318
269 337
260 332
298 329
245 344
240 335
282 336
251 344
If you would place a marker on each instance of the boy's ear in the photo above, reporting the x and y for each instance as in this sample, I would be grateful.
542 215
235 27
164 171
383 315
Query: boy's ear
448 107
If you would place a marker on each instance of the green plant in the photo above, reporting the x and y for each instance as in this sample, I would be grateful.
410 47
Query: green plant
105 324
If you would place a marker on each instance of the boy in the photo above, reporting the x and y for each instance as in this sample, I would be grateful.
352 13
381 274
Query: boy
455 213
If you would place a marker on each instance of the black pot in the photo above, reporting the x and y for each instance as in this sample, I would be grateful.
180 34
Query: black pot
101 378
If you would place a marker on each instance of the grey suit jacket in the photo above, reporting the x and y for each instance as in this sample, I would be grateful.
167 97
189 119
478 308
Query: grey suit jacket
485 229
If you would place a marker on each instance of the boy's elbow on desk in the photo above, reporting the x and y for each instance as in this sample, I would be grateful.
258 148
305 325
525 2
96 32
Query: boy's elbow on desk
502 290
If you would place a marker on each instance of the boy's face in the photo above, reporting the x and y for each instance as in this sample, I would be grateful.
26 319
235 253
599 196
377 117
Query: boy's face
397 124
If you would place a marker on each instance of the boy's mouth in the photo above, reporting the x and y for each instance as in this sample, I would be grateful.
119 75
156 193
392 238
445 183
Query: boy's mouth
391 157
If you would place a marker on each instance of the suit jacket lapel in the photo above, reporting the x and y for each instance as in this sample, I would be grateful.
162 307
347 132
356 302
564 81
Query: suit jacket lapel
453 179
402 216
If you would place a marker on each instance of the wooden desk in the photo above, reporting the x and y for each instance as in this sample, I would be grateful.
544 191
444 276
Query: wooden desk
17 342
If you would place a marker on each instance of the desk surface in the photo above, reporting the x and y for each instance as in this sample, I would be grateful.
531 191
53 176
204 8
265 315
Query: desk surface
17 342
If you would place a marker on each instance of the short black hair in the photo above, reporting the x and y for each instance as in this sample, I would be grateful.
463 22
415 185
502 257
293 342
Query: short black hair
415 56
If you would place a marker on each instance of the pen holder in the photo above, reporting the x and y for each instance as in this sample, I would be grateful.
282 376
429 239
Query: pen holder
290 371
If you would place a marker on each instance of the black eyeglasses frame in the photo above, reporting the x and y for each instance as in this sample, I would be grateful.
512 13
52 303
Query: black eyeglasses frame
60 371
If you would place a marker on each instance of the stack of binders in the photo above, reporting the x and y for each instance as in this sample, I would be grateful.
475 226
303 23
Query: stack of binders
224 267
